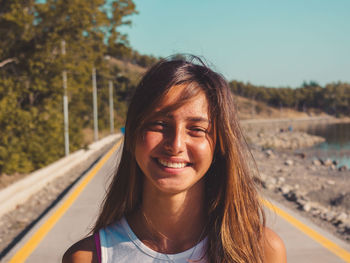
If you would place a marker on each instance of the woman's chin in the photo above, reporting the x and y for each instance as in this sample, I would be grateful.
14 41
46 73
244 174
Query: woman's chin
174 185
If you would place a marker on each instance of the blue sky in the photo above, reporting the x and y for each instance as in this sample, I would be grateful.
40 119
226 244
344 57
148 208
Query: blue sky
275 43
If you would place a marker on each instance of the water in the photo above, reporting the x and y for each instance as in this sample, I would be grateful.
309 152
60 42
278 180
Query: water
337 144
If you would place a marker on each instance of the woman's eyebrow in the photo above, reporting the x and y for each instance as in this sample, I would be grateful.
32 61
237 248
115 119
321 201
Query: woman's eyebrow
191 118
197 119
161 114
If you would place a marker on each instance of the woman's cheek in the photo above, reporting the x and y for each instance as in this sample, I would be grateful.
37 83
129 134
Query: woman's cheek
152 139
203 151
204 145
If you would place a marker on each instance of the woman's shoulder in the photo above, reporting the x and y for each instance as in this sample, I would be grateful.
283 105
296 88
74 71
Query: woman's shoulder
275 251
81 252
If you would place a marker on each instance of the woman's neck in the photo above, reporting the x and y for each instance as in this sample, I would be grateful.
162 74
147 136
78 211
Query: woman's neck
170 223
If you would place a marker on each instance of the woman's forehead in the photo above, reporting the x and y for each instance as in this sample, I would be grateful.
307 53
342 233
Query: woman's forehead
181 91
180 95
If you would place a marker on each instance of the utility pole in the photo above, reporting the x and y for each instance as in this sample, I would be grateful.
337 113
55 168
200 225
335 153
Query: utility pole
94 102
65 103
111 117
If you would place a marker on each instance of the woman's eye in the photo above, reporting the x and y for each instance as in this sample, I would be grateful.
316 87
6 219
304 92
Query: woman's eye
198 131
157 125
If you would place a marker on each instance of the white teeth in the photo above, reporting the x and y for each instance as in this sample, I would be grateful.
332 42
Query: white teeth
171 165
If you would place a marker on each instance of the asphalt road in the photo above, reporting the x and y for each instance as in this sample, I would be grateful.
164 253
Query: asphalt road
73 217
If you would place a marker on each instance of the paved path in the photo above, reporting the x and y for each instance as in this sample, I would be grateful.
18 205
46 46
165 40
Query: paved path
300 246
78 210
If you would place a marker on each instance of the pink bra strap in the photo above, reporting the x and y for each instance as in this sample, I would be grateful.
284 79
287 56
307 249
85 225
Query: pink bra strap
98 246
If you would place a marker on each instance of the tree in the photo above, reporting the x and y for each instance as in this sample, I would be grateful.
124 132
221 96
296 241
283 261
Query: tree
31 64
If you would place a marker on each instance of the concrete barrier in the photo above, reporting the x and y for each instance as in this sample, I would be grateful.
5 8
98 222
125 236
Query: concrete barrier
19 192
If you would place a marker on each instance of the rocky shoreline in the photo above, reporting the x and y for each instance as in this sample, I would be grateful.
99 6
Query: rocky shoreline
316 188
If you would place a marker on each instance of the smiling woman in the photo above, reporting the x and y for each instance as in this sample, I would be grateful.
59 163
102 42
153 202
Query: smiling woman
183 191
176 149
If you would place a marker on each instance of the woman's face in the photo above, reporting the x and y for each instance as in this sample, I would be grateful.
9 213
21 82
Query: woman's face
176 148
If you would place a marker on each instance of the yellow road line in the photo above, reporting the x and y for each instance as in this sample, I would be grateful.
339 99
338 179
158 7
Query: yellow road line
34 241
340 252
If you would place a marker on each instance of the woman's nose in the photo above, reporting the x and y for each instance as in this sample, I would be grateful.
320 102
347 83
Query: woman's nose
175 141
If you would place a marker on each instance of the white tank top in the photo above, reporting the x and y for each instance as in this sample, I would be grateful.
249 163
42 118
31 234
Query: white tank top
120 244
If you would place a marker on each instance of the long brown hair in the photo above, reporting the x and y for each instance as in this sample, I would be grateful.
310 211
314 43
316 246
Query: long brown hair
235 216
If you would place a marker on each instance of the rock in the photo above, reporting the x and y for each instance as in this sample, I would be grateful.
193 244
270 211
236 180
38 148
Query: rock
315 212
328 216
309 206
342 168
338 200
323 215
316 162
340 218
306 207
344 226
263 177
281 180
327 162
290 140
301 155
289 162
269 153
301 201
270 183
330 182
291 196
260 179
285 189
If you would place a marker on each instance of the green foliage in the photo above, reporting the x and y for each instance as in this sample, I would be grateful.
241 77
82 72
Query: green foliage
334 98
32 34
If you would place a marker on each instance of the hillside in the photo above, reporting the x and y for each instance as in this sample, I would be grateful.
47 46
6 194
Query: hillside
247 108
250 109
131 71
